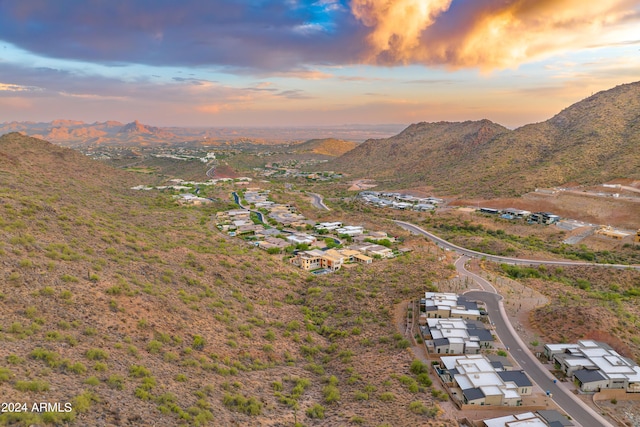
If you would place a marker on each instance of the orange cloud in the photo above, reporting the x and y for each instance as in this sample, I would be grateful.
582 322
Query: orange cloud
489 34
397 23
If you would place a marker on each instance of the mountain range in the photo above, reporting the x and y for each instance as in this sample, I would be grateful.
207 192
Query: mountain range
77 134
590 142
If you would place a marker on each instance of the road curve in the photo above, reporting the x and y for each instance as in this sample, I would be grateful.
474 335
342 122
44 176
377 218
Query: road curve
316 200
501 259
463 272
579 411
211 172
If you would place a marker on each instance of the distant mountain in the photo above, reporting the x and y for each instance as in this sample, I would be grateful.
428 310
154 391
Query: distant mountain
593 141
327 146
72 133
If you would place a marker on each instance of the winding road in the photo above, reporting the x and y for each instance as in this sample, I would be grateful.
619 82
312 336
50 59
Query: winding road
316 200
579 411
502 259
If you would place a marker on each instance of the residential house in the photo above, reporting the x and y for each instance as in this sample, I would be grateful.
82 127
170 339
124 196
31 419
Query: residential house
473 380
328 226
350 230
272 242
455 336
362 259
547 418
595 366
315 259
301 238
308 260
447 305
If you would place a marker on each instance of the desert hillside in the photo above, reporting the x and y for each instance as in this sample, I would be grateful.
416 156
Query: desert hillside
137 311
328 146
590 142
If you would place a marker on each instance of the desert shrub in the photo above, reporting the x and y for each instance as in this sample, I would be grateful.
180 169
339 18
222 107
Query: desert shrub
36 386
242 404
198 342
50 357
116 381
138 371
331 393
315 411
96 354
82 402
5 374
154 346
387 396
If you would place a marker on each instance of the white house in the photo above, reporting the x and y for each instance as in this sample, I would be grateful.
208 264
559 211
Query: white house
350 230
301 238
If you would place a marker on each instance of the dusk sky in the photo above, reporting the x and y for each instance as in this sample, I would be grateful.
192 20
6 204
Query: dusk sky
325 62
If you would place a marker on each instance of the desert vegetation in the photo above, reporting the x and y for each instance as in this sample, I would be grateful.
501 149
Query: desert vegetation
137 310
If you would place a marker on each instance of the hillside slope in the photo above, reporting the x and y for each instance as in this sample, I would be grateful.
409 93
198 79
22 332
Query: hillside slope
327 146
139 312
593 141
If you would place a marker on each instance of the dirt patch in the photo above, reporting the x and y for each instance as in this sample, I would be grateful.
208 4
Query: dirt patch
225 171
361 184
619 212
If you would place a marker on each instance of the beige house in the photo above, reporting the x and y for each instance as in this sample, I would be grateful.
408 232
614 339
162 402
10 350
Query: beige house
315 259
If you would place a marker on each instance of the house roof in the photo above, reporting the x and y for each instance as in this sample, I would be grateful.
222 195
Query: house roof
552 416
517 377
504 361
473 394
469 305
349 252
481 334
588 375
497 365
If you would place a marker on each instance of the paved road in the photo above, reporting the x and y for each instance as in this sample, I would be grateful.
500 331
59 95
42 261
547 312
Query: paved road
501 259
562 396
260 215
463 272
316 200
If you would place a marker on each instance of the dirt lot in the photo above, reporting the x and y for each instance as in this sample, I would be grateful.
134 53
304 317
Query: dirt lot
582 206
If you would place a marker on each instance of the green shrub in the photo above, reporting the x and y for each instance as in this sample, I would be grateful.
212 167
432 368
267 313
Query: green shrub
331 393
14 359
154 346
50 357
116 382
96 354
82 402
36 386
5 375
387 397
315 411
418 367
92 381
198 342
240 403
138 371
76 368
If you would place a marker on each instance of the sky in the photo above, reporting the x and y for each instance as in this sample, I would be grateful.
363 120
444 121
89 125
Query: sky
310 63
